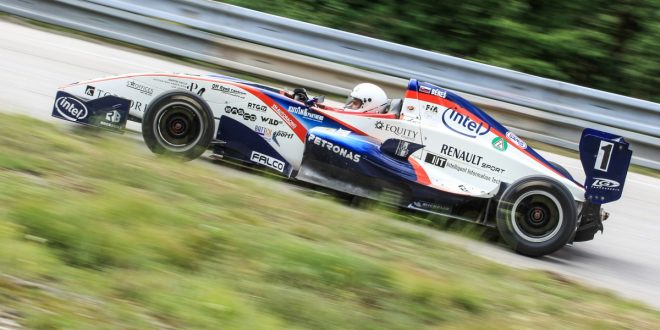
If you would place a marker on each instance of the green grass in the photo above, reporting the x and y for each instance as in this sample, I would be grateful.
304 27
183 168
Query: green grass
95 233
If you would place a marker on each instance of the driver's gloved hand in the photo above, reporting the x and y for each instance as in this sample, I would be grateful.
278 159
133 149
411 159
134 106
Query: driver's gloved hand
300 94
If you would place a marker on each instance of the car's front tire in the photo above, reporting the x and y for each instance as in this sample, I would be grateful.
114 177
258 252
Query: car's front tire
178 124
536 216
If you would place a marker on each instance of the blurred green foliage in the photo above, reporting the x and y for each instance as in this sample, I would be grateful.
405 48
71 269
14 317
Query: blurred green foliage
98 233
611 45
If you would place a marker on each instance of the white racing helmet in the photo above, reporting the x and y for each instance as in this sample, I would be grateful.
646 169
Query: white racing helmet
367 97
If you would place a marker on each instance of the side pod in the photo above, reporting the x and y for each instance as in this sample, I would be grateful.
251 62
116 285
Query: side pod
109 112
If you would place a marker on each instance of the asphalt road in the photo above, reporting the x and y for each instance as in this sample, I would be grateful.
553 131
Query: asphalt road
625 259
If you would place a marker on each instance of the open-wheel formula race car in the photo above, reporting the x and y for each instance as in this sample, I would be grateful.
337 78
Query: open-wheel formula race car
433 149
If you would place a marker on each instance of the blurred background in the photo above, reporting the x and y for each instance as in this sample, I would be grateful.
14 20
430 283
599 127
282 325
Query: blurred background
607 45
97 233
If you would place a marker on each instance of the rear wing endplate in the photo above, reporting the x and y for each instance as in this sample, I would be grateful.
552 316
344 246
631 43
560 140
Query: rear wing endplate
605 158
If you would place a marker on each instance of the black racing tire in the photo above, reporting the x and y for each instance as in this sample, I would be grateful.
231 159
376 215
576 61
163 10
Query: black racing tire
536 216
178 124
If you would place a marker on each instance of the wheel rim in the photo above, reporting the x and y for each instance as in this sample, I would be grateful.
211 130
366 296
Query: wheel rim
537 216
178 126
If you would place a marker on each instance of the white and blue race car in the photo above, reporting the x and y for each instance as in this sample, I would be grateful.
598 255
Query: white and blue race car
432 149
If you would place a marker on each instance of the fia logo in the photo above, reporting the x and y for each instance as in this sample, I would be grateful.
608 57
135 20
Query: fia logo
432 108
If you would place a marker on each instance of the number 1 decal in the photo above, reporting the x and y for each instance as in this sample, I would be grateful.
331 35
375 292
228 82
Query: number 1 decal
604 156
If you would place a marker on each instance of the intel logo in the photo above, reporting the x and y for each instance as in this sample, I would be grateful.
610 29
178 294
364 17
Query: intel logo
71 108
462 124
515 139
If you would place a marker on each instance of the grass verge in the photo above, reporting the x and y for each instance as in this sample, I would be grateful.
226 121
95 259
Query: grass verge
95 232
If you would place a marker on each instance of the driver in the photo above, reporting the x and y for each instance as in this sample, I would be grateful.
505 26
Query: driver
367 98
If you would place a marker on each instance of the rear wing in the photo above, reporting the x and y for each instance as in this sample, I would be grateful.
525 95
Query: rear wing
108 112
605 158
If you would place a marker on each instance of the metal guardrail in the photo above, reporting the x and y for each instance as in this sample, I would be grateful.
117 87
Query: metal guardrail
566 108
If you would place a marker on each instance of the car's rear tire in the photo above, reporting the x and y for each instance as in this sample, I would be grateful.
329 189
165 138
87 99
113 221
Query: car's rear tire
178 124
536 216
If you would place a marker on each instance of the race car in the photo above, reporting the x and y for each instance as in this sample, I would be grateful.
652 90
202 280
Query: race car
431 149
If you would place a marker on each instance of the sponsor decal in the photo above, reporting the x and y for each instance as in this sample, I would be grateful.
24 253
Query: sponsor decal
500 144
282 134
71 108
89 90
469 171
257 107
341 151
138 106
462 124
146 90
460 155
270 121
280 112
463 188
432 206
405 133
113 116
268 161
438 92
515 139
174 83
464 156
111 119
270 135
229 91
605 184
135 105
435 160
195 88
238 111
492 168
433 91
402 149
266 133
306 113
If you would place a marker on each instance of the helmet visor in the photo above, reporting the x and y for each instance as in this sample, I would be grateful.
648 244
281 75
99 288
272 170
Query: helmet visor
353 103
